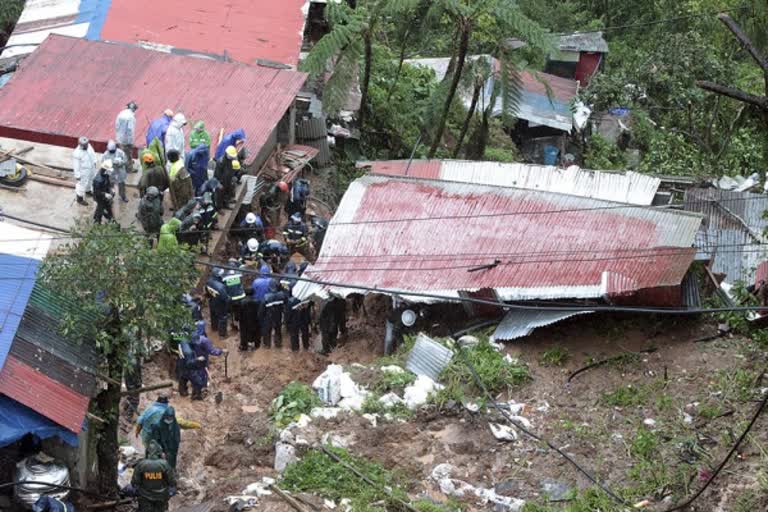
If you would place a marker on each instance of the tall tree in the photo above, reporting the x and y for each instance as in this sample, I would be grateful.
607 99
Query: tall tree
465 15
112 274
350 41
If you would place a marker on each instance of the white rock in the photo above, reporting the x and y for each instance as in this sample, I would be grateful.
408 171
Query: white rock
285 454
390 400
417 393
515 408
650 422
392 368
329 504
687 418
503 432
358 365
257 489
471 406
346 504
286 436
268 481
373 418
353 403
441 471
543 408
325 412
303 421
507 503
300 441
328 384
453 487
334 440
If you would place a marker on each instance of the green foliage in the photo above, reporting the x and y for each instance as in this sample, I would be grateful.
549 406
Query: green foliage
555 356
735 385
628 396
393 382
372 405
10 10
590 500
294 400
644 444
601 154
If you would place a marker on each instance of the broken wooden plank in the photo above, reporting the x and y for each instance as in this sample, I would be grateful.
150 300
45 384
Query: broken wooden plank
145 389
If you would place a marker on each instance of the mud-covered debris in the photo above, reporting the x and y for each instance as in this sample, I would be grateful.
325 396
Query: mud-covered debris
554 490
417 393
392 368
503 432
325 412
390 400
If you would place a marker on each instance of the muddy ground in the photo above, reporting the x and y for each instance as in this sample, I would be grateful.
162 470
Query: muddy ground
690 392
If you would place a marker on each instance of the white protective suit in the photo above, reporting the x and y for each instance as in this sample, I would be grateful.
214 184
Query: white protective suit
174 137
119 164
125 126
84 164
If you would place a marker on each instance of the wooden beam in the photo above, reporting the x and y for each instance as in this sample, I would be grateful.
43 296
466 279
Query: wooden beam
145 389
745 41
758 101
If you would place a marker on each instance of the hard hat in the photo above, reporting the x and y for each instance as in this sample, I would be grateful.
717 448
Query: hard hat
282 186
106 164
253 245
250 218
180 119
236 165
83 141
153 192
133 106
231 152
168 112
111 146
148 158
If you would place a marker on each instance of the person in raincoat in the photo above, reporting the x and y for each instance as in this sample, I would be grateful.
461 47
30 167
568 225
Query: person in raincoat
235 139
153 481
149 417
150 213
174 137
228 173
125 130
119 167
199 137
154 175
84 166
196 163
180 180
196 371
167 434
158 128
168 231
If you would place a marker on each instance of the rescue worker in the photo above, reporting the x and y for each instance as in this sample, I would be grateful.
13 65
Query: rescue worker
272 202
297 200
154 175
174 137
47 503
235 139
274 306
319 228
298 317
251 316
158 128
193 303
150 213
167 238
150 417
153 481
233 280
167 434
196 163
119 167
274 252
180 182
102 193
191 229
213 187
218 305
228 172
332 321
197 374
199 136
251 227
250 250
84 167
295 234
125 131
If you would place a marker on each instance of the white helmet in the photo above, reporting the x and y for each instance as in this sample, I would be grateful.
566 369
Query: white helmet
253 244
250 218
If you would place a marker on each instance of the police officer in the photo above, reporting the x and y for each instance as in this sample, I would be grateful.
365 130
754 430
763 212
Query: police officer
274 305
219 302
150 213
274 252
295 233
251 319
333 319
233 280
102 193
153 481
251 227
298 317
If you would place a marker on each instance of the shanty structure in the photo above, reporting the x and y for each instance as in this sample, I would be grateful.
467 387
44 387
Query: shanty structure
261 31
545 99
71 87
47 380
578 56
624 187
457 239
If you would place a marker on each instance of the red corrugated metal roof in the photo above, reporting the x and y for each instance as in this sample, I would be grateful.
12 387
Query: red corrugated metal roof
71 87
548 245
43 394
246 30
416 168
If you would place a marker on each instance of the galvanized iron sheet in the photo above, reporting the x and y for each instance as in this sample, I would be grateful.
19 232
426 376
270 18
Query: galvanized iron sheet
71 87
428 357
519 323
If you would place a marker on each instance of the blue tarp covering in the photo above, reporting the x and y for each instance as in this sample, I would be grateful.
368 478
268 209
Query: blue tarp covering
17 420
17 278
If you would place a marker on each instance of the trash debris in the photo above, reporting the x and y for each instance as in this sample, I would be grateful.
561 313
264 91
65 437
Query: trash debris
40 468
525 422
392 368
373 418
390 400
471 406
329 504
237 503
325 412
428 357
503 432
687 418
285 454
418 392
649 422
459 488
468 341
336 387
259 488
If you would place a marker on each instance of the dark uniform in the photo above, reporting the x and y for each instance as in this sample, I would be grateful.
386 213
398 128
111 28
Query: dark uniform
102 193
228 177
274 252
150 214
298 316
218 305
295 233
274 305
153 481
216 191
234 283
333 319
155 176
251 320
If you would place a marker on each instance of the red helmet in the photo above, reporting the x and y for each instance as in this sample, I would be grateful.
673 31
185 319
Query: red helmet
282 186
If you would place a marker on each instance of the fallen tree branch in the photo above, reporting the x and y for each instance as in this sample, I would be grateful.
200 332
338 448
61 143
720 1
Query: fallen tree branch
731 92
145 389
609 360
288 499
745 41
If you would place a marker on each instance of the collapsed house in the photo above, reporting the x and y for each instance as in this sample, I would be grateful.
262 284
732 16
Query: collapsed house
402 234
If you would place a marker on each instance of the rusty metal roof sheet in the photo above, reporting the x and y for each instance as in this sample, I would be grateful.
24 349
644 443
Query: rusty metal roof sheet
624 187
433 236
519 323
71 87
583 42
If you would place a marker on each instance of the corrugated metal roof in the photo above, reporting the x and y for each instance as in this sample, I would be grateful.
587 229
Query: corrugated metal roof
624 187
732 233
520 323
245 30
71 87
43 394
583 42
428 357
21 251
547 245
535 105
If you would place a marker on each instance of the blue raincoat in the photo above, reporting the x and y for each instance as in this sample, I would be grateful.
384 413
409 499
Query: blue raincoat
202 347
197 166
228 140
157 129
149 420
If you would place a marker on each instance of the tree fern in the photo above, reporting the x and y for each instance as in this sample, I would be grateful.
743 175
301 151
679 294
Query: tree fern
343 80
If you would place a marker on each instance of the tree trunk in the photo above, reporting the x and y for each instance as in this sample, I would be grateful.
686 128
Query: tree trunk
108 403
460 58
479 140
403 49
368 57
468 119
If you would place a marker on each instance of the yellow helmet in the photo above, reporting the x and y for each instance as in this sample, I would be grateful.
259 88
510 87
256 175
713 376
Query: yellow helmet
236 165
231 152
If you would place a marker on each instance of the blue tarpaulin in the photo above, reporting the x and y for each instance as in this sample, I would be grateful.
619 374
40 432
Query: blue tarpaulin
17 420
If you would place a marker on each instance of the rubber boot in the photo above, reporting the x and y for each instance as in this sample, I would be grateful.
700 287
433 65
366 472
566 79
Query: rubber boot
223 328
197 393
81 201
183 389
121 189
